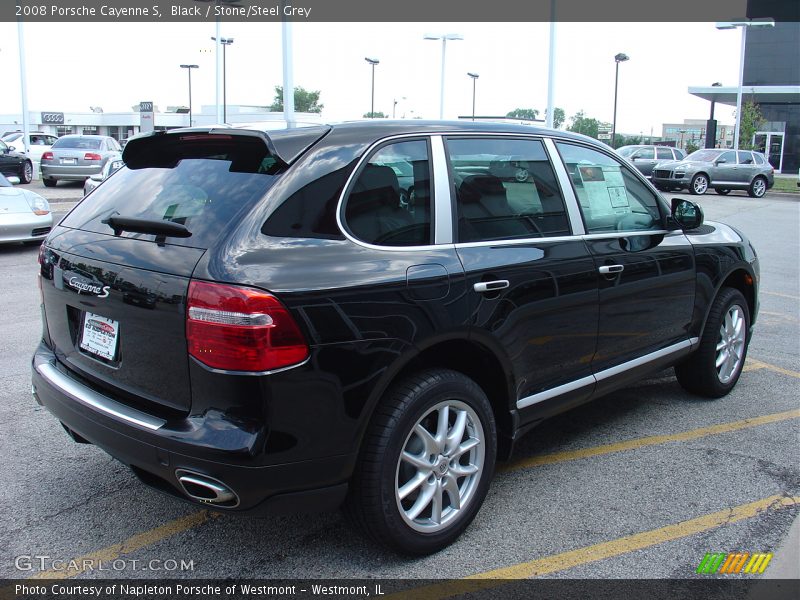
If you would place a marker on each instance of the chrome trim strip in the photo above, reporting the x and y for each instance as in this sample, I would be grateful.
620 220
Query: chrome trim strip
88 397
556 391
443 205
605 374
251 373
567 191
520 241
620 234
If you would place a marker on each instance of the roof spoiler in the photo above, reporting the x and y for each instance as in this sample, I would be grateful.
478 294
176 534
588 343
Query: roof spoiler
287 145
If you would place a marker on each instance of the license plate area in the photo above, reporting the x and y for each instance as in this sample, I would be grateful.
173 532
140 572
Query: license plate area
69 161
99 337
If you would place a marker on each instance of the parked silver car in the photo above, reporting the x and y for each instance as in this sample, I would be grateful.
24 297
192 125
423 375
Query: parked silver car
645 157
723 170
113 164
77 157
24 215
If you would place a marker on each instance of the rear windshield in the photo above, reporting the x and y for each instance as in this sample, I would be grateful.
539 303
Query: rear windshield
79 143
205 191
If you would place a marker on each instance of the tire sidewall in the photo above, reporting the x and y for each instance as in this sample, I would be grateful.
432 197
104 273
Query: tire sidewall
453 387
729 298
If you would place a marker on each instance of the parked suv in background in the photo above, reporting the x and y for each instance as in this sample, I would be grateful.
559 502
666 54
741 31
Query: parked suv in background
645 157
296 337
77 157
723 170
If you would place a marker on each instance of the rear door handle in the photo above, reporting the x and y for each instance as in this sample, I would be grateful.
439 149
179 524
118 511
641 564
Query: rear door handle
490 286
608 269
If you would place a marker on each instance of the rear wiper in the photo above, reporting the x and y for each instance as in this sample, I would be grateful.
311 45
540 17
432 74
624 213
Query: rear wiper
156 227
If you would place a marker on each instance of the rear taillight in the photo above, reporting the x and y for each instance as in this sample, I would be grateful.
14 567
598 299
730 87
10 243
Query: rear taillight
47 156
92 156
241 329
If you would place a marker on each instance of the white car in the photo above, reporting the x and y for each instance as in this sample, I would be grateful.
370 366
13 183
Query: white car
38 144
24 215
113 165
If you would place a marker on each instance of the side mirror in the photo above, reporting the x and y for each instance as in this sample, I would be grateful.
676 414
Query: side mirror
686 214
720 161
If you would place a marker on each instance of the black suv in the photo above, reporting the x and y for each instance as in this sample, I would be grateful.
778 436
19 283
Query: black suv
370 314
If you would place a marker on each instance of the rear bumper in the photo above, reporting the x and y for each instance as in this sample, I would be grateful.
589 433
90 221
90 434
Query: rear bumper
143 442
70 172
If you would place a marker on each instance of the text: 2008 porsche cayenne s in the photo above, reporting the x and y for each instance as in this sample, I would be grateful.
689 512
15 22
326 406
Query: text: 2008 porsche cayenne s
370 314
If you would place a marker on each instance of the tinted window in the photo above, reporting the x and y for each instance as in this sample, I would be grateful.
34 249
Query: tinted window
80 143
745 158
390 201
679 154
727 158
203 185
664 153
610 196
645 153
759 159
505 189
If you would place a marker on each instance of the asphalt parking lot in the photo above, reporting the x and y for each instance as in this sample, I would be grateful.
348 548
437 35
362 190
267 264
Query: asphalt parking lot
640 484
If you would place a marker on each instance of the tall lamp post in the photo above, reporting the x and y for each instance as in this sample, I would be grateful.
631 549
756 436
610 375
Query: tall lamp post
225 43
373 62
189 69
744 24
444 37
617 59
474 77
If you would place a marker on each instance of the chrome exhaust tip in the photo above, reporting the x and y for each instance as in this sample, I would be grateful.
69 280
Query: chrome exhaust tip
206 489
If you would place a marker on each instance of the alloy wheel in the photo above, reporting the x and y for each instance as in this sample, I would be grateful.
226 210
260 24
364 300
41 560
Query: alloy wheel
730 346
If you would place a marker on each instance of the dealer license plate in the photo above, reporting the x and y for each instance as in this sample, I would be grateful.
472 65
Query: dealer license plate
69 161
100 336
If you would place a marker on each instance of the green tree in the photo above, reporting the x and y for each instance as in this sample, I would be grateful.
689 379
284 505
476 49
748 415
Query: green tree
304 100
580 123
558 117
523 113
375 115
691 147
752 120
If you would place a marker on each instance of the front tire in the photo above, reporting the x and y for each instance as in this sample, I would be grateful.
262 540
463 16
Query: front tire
757 188
699 185
425 464
714 368
49 182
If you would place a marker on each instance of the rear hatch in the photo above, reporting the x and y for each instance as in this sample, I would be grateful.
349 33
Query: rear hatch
116 271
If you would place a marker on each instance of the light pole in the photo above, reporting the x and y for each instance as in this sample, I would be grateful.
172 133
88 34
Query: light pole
474 77
373 62
444 37
744 24
394 106
617 59
225 43
189 69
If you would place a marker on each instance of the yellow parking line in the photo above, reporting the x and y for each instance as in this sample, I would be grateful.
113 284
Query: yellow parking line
137 542
557 457
757 364
603 550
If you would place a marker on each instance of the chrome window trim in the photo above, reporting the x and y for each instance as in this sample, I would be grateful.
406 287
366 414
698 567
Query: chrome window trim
442 200
88 397
567 191
617 234
606 373
346 190
519 241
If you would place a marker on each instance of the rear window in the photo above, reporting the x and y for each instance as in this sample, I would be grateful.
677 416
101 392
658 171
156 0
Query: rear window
203 185
79 143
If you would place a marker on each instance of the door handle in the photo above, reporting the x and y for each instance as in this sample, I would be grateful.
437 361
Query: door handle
490 286
609 269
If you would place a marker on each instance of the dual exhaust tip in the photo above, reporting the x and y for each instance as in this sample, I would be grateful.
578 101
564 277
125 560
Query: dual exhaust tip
206 489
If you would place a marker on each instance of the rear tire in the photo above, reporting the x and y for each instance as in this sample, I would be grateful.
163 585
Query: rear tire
49 182
26 172
757 188
714 368
425 464
722 191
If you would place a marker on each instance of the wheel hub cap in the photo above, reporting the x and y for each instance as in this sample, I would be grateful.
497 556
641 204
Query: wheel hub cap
730 345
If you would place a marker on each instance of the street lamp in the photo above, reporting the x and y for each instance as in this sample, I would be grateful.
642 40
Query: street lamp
617 59
474 77
744 24
225 43
444 37
189 69
373 62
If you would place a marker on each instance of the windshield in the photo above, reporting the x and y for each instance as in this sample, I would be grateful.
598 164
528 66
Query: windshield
81 143
205 191
704 155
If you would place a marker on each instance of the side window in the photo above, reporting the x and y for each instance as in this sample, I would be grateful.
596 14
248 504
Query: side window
728 158
610 196
664 153
505 189
645 153
51 140
759 158
679 154
390 201
745 158
3 147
